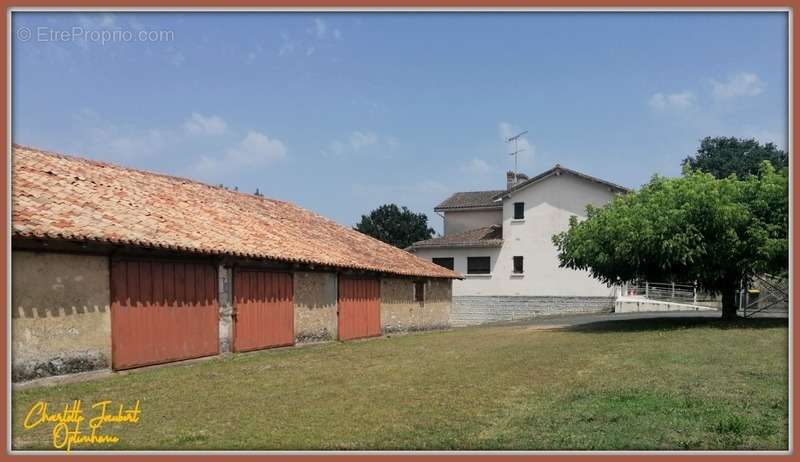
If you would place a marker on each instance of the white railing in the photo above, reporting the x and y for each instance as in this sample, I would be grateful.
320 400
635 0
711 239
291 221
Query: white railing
666 291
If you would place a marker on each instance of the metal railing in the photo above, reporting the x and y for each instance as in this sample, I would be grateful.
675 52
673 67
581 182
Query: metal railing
664 291
766 293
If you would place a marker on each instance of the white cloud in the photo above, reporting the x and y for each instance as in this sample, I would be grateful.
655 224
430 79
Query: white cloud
199 124
119 142
777 137
475 165
741 84
672 101
287 45
359 141
255 150
174 57
253 54
128 143
95 21
108 20
322 31
320 28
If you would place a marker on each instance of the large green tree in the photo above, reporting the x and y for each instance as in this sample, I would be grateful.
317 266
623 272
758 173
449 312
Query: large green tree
723 156
717 232
395 225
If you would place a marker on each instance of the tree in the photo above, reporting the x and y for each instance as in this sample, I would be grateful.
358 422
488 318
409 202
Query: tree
397 226
723 156
716 232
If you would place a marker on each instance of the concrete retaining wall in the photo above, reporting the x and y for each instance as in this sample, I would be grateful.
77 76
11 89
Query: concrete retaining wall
644 305
473 310
315 305
61 317
400 312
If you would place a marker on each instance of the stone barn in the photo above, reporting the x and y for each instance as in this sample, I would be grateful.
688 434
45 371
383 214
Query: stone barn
120 268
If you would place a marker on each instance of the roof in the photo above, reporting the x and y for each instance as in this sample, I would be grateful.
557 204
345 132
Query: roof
557 170
64 197
470 199
490 236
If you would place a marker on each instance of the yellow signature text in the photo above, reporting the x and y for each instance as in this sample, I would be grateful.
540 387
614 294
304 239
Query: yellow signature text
70 425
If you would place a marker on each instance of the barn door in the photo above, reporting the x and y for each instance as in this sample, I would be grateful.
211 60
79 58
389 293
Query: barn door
263 310
162 311
359 308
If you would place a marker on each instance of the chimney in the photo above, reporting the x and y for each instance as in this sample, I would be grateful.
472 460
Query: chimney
511 179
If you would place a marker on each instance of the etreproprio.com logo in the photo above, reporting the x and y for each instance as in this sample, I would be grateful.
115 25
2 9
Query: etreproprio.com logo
101 36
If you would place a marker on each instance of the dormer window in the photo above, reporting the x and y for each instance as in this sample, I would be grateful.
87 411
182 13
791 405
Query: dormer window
519 210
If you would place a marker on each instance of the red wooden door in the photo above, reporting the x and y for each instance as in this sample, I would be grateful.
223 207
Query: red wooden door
359 308
162 311
263 310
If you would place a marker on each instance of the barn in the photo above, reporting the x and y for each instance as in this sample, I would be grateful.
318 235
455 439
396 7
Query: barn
120 268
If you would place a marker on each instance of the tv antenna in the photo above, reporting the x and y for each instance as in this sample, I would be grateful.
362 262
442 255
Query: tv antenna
517 150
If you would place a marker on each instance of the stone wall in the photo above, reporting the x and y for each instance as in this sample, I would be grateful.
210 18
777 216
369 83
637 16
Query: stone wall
61 318
472 310
315 296
401 313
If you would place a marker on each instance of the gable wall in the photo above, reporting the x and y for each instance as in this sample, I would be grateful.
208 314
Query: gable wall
548 206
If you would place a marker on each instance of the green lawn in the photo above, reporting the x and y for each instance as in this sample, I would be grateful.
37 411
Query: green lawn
648 384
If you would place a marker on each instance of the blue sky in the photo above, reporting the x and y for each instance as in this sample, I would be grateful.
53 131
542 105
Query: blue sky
341 112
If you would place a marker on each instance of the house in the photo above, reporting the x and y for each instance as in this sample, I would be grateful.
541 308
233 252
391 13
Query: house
502 242
119 268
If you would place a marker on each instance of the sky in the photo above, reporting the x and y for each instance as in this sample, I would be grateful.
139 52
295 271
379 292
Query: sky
343 112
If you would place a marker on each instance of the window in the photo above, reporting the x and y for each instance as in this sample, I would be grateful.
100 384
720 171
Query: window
519 210
478 265
419 291
518 265
447 262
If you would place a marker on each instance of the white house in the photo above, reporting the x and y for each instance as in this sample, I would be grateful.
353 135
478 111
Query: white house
502 242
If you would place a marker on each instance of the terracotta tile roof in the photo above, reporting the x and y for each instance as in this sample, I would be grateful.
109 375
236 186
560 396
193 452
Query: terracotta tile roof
470 199
490 236
65 197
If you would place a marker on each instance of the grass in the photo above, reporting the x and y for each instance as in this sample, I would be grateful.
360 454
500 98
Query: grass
637 385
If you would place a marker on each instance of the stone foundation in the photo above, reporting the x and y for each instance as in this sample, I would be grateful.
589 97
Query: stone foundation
61 317
315 297
473 310
400 312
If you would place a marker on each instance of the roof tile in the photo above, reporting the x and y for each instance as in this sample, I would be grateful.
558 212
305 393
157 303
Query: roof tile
490 236
57 195
470 199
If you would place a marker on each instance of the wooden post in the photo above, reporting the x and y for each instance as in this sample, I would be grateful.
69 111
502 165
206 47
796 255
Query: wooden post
646 289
